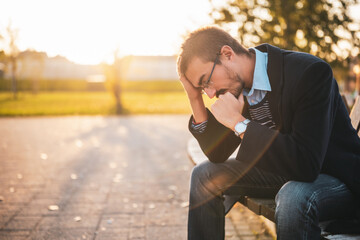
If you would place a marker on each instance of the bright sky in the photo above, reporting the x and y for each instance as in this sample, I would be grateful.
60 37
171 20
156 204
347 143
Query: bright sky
88 31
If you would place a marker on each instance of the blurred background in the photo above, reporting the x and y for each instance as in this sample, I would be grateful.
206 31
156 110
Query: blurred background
119 57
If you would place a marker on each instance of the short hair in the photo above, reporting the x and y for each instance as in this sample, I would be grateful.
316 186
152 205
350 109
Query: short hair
206 43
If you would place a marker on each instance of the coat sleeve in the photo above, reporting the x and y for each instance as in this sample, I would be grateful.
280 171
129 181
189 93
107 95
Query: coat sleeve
298 154
217 141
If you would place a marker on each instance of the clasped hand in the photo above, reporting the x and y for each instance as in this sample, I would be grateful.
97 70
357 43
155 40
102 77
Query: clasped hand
228 109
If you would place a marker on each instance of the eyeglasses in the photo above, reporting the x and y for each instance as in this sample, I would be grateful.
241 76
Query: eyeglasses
207 83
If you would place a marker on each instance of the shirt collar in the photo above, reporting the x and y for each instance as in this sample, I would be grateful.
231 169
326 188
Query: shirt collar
261 79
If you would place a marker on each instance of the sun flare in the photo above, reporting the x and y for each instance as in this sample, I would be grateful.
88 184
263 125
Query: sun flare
89 32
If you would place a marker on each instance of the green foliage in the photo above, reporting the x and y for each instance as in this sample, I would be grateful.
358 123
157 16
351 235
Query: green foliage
316 27
93 103
138 97
52 85
83 85
58 103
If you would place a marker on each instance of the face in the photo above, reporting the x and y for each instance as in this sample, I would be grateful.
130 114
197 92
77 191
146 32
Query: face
223 78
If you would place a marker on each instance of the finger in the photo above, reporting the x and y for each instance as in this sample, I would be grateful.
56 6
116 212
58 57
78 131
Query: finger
222 97
186 82
213 109
241 98
228 94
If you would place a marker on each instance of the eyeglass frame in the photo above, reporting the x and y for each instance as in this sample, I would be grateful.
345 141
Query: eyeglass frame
207 83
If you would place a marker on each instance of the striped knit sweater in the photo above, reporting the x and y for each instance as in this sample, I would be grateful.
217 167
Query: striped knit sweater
261 113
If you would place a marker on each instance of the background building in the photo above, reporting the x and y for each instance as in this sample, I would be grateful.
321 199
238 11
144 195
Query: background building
33 64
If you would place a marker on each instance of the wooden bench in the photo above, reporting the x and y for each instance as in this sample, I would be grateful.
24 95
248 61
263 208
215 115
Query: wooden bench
266 207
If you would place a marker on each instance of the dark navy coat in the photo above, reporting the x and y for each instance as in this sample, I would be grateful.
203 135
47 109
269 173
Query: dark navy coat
313 132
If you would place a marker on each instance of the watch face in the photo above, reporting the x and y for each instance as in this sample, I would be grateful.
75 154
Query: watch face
240 127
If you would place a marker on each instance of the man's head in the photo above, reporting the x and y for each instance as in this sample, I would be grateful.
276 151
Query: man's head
210 55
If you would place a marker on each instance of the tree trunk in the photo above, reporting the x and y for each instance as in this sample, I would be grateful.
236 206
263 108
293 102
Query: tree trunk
116 89
35 85
13 78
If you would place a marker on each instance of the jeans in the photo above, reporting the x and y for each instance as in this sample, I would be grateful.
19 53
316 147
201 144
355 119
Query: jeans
327 198
299 206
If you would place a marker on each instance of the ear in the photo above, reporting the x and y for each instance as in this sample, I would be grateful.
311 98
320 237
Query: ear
227 52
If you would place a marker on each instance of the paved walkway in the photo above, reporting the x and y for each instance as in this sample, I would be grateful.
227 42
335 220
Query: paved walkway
100 178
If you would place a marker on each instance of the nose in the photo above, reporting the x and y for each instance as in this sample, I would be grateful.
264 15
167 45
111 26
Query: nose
210 92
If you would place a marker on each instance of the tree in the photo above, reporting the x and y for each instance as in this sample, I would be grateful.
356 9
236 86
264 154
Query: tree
112 73
31 66
2 63
322 27
11 52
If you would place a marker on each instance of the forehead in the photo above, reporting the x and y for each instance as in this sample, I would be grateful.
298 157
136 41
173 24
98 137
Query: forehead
197 69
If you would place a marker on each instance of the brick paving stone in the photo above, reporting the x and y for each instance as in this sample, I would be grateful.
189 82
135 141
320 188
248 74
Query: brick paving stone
62 234
138 221
37 210
83 209
165 214
123 181
112 233
22 223
124 207
166 232
4 219
137 233
18 198
16 232
87 197
69 222
230 231
247 224
12 236
42 199
115 221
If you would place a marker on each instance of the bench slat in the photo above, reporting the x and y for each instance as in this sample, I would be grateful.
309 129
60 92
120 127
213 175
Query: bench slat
262 206
253 205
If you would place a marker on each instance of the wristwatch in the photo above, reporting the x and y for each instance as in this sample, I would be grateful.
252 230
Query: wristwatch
240 127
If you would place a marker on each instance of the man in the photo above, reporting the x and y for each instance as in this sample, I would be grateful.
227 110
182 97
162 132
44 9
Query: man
296 138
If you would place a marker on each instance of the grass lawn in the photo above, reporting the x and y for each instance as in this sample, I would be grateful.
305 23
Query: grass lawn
93 103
